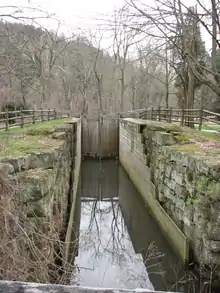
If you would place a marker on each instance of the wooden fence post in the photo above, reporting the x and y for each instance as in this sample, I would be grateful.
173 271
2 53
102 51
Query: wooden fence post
6 121
48 117
152 113
42 115
170 119
159 114
145 115
33 117
182 117
200 118
55 113
22 119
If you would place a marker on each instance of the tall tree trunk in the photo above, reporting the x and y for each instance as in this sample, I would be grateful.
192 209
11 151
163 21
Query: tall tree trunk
23 94
122 90
214 34
167 78
133 93
191 62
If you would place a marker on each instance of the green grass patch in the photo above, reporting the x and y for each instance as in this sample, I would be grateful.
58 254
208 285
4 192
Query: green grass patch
209 127
182 138
200 136
40 126
33 137
22 145
210 136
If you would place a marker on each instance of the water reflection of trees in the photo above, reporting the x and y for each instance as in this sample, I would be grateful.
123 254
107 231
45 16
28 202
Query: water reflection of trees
104 234
109 226
99 213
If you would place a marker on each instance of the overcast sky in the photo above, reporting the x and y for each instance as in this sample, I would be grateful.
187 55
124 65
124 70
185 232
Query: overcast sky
81 14
75 13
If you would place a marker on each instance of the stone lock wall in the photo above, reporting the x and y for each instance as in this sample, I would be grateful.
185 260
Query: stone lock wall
179 178
42 179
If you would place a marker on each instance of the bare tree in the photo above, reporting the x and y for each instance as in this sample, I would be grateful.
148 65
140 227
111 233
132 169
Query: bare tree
167 20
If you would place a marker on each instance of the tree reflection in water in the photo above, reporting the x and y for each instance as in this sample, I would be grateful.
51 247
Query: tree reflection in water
106 255
120 244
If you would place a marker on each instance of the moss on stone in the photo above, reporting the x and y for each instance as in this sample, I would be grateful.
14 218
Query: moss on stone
182 138
201 183
189 147
162 126
206 185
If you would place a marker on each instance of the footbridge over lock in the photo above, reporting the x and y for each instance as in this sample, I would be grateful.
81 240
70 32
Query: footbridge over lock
175 172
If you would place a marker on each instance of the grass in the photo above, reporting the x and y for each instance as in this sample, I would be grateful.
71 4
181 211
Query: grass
210 136
209 127
12 146
18 142
44 126
199 136
193 141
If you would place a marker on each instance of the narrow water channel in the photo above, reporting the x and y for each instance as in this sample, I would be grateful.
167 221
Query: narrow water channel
120 244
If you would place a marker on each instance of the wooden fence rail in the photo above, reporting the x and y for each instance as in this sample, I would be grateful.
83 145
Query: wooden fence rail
187 117
10 119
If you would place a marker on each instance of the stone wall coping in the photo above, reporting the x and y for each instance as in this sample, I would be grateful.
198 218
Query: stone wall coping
135 121
73 121
153 125
22 287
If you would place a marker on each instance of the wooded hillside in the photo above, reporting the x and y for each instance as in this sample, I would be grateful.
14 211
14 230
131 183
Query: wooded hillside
152 62
43 69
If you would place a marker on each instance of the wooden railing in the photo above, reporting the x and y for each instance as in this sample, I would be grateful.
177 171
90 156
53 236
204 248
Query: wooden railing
185 117
10 119
188 117
210 118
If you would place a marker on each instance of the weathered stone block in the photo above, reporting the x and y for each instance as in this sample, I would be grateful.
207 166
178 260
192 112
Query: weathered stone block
201 224
211 245
37 183
180 204
43 160
171 184
178 177
188 229
214 231
186 221
161 197
201 210
180 191
168 170
41 208
68 128
6 168
210 258
215 212
163 138
19 163
168 193
59 135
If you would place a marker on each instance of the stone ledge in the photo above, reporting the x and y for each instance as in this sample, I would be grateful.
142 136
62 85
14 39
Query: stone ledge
20 287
